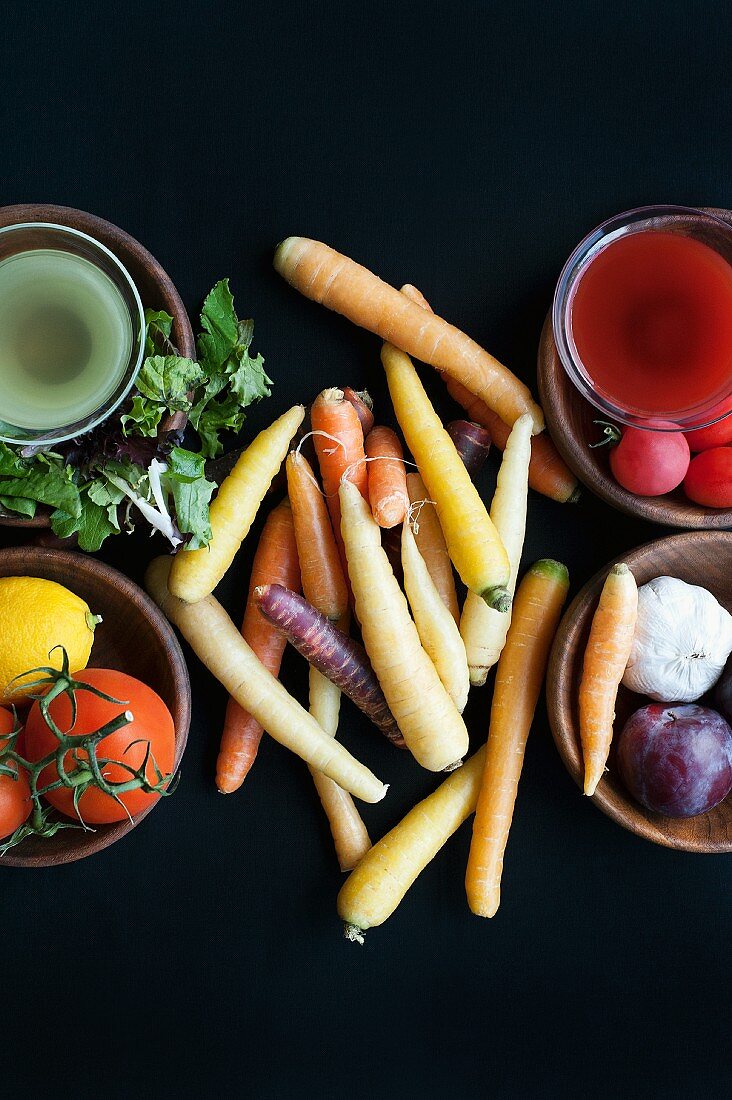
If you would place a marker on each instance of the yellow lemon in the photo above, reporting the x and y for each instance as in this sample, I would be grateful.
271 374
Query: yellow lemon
35 616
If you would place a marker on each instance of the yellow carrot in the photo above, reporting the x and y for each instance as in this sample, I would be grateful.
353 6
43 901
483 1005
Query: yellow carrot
483 629
475 548
196 573
607 653
436 627
350 836
432 728
431 543
219 645
326 276
372 892
519 677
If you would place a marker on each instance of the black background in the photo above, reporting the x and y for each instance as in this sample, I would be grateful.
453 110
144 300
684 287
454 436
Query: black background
465 147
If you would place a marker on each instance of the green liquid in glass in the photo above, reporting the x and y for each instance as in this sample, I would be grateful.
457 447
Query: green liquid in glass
65 339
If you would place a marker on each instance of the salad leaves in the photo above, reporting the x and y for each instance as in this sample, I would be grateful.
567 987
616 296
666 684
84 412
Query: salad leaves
131 465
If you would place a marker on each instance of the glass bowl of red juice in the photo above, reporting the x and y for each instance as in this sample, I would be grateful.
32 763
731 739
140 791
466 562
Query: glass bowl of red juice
642 318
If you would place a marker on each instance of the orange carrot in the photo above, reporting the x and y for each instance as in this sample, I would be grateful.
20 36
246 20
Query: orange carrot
321 273
431 543
535 616
387 477
340 450
548 473
275 560
324 586
607 653
364 406
320 567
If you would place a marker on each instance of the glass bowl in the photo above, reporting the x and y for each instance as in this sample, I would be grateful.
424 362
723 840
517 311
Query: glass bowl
703 226
30 236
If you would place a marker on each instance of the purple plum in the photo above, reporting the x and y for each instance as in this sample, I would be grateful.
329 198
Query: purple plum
676 760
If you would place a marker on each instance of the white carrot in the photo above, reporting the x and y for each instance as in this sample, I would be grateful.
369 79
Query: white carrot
436 627
484 630
432 728
350 837
219 645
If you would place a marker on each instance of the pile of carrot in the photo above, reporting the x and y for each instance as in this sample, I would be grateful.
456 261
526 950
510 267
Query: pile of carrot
368 540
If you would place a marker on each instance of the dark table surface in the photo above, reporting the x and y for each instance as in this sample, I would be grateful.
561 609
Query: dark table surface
464 147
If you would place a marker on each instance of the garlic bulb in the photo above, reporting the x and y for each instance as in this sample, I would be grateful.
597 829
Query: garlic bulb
683 638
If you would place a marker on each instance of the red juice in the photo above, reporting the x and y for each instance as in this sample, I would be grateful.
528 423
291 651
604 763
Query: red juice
652 323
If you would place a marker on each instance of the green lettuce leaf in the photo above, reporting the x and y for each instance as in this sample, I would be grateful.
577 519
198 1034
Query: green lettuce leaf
22 505
143 417
235 379
157 333
92 526
166 379
186 482
45 481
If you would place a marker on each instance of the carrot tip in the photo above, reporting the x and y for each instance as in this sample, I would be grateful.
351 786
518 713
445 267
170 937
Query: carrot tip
453 767
353 933
499 598
574 496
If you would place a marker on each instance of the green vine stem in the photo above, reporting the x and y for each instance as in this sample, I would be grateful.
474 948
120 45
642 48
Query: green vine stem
81 750
611 434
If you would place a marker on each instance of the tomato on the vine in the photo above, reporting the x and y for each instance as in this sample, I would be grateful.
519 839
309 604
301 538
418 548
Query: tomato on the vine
151 722
15 804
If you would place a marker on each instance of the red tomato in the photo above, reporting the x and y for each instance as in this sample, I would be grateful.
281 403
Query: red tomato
716 435
152 722
650 463
15 804
709 480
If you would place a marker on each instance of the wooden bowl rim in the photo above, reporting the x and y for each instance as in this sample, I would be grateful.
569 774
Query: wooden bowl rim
78 562
613 802
119 241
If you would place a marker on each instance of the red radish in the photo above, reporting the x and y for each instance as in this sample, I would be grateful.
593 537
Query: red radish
716 435
330 651
647 463
472 443
709 480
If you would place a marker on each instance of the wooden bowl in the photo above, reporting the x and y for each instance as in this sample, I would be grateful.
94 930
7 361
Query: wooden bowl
569 419
700 557
133 637
155 286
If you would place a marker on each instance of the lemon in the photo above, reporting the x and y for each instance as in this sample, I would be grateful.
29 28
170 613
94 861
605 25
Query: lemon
35 616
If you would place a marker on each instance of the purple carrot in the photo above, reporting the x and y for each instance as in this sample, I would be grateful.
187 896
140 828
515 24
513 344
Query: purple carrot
364 406
330 651
472 443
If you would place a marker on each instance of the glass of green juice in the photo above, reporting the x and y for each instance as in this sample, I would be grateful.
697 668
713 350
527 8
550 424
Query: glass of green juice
72 333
